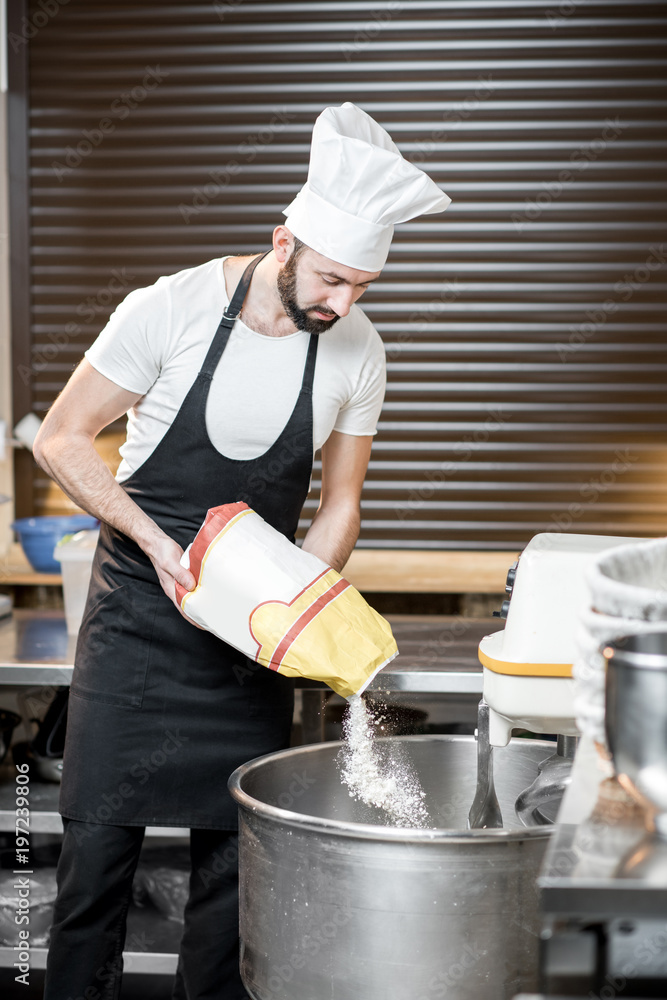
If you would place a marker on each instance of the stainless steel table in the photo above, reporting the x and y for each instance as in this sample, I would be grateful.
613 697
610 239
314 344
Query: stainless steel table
604 892
438 655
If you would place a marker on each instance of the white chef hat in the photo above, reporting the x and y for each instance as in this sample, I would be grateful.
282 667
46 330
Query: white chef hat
359 185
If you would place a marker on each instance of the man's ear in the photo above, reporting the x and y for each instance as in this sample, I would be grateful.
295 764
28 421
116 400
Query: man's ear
283 243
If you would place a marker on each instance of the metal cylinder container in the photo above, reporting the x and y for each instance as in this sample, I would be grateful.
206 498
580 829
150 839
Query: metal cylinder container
636 717
335 905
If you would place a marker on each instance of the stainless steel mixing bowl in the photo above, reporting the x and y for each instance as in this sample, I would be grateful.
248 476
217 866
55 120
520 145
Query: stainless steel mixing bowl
335 905
636 717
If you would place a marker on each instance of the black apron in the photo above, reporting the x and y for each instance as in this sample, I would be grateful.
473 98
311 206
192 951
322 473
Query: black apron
160 711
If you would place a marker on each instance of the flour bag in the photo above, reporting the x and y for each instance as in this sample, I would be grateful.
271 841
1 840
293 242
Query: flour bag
281 606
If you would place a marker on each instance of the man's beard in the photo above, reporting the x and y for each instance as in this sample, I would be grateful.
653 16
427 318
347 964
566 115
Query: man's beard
286 284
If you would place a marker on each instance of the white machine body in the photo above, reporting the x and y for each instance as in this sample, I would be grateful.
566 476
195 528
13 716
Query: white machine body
528 666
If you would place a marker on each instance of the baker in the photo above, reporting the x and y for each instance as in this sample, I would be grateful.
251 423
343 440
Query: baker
219 410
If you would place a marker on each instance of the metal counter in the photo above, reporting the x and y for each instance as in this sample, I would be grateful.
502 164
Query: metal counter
438 655
604 891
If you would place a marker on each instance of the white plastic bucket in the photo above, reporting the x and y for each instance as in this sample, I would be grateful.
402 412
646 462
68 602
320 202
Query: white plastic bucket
75 555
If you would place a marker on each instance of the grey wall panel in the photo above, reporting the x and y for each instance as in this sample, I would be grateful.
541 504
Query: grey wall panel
525 327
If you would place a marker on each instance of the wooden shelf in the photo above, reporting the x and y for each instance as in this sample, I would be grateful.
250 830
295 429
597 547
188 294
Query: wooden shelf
371 570
16 571
398 571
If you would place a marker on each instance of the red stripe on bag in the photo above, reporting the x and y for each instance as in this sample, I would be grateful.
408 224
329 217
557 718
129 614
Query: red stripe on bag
216 519
304 619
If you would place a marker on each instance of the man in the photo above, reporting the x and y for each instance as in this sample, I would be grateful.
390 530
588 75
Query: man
218 411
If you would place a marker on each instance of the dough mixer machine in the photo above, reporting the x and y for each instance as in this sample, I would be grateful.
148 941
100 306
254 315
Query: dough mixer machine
527 668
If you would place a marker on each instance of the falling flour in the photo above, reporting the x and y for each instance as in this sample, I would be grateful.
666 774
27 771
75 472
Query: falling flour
379 778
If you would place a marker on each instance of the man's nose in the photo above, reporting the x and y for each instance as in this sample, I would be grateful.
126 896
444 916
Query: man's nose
340 300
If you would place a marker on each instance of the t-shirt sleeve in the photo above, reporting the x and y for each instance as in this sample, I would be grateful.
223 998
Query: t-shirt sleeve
360 415
130 349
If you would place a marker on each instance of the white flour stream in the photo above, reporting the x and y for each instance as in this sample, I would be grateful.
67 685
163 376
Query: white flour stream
388 783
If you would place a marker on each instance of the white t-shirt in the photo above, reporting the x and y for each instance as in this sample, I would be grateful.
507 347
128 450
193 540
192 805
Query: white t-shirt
156 341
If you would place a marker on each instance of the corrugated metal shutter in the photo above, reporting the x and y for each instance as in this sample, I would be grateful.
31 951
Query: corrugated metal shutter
525 328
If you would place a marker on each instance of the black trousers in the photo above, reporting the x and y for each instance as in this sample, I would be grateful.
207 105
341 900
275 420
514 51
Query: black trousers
95 873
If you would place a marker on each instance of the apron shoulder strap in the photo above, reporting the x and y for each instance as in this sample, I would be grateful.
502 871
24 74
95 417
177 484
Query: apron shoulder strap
229 317
309 368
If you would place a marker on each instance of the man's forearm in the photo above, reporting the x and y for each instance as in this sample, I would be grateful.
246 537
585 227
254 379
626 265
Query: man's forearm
333 534
80 472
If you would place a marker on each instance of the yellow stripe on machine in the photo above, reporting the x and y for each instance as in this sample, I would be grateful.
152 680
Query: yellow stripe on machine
524 669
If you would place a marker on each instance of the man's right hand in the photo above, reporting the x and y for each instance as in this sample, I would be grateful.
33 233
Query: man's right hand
165 554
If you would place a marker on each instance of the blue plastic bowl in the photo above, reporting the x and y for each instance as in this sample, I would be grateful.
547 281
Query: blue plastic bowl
40 535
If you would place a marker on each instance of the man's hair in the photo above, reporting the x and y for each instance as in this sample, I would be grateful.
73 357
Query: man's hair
299 247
